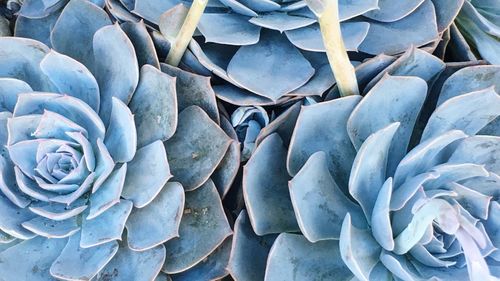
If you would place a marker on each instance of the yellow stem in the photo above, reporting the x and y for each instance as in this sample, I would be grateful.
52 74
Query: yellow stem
181 42
342 68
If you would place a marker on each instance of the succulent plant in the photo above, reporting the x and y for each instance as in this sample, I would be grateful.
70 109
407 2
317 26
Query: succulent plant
277 47
248 121
479 23
271 50
97 137
113 165
375 187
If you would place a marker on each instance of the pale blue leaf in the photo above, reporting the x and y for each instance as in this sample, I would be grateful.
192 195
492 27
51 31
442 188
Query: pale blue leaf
142 42
283 125
23 155
239 8
254 67
281 21
106 227
369 168
228 29
265 188
403 193
133 265
71 78
8 184
319 204
226 172
399 266
321 81
30 187
121 135
293 258
20 59
211 268
485 43
424 156
359 251
419 28
157 222
193 89
119 12
470 79
108 194
34 264
240 97
468 113
261 6
381 219
147 173
152 9
449 173
202 230
414 62
74 109
13 217
392 99
40 8
115 68
491 225
9 89
52 229
446 12
352 8
154 106
73 196
54 126
21 128
38 29
475 202
249 251
481 150
309 38
192 158
316 129
436 209
170 24
80 263
389 12
74 30
104 164
58 212
293 6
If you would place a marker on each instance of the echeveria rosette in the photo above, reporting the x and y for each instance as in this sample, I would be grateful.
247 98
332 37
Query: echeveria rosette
359 190
248 121
99 137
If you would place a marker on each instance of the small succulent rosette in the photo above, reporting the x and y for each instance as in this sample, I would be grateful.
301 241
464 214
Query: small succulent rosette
248 121
105 168
268 51
374 187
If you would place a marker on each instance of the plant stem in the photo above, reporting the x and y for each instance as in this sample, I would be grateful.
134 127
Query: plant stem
186 32
327 12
